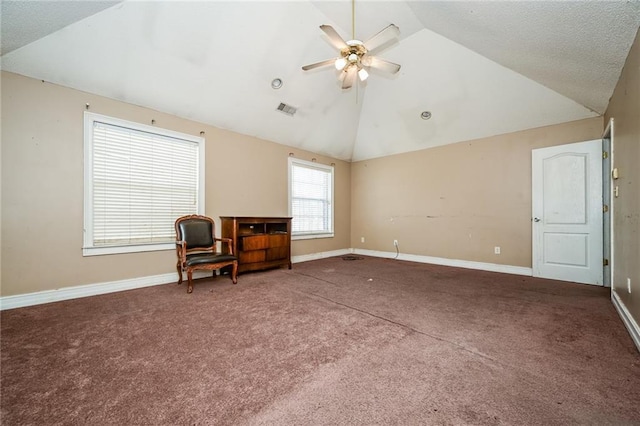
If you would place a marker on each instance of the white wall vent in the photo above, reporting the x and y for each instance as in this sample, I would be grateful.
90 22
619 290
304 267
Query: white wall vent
287 109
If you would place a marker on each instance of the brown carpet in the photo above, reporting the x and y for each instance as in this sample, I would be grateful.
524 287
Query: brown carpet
369 341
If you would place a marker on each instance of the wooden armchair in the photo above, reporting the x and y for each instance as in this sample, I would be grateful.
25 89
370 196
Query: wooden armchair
196 248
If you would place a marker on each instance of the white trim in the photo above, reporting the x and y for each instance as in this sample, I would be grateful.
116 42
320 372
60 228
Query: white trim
89 119
627 319
311 164
48 296
320 255
609 130
483 266
75 292
99 251
310 236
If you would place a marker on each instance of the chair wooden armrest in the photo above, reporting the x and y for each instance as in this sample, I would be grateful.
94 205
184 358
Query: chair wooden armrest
229 242
181 249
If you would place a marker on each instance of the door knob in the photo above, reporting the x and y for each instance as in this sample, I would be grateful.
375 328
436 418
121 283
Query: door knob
535 219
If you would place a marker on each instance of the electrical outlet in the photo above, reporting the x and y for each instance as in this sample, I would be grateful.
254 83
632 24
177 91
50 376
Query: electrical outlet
395 243
629 285
496 250
362 239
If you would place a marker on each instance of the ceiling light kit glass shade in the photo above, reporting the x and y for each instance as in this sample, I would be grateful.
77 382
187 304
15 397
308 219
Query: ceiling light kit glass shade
352 60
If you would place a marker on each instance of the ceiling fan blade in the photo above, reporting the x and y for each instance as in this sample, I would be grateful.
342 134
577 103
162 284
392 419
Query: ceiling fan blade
387 33
334 37
380 64
319 64
349 77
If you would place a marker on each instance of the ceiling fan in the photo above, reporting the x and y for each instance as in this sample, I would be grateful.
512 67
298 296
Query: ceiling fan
355 56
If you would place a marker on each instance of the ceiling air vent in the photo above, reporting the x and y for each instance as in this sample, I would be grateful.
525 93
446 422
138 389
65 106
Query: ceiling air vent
287 109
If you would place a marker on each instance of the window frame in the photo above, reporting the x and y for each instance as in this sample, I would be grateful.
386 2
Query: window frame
88 247
331 171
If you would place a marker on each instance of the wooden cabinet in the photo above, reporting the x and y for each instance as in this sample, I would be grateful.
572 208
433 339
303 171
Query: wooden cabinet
259 242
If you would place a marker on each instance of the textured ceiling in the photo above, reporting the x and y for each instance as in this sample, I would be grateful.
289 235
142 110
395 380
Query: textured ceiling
481 68
27 21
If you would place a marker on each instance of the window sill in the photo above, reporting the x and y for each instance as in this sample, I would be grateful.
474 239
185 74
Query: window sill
99 251
295 237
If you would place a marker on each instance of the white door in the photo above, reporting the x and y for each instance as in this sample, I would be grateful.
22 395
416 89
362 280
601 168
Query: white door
567 212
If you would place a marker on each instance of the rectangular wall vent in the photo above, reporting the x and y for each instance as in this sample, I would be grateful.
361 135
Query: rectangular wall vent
287 109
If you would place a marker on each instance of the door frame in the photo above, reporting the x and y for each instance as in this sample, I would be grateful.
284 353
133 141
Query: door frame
607 189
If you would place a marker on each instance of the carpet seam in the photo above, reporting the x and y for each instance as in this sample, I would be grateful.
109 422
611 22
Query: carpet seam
395 322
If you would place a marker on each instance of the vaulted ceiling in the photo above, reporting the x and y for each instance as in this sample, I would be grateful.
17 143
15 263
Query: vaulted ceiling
480 68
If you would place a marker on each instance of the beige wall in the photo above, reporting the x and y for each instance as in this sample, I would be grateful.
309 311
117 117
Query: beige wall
624 108
457 201
42 187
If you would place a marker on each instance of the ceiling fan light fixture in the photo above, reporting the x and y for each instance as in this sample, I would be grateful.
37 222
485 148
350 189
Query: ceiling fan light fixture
354 54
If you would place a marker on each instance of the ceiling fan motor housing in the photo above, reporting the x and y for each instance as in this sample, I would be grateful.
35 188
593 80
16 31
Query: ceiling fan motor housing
354 51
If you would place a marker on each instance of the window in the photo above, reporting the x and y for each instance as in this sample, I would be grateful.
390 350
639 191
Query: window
138 180
310 199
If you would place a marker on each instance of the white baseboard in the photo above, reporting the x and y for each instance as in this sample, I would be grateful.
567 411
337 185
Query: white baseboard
66 293
321 255
48 296
627 319
483 266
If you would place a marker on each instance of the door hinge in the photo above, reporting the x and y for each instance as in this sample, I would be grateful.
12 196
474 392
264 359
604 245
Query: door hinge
605 262
605 208
605 155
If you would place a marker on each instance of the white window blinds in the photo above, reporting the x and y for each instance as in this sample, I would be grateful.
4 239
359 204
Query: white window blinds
311 198
140 183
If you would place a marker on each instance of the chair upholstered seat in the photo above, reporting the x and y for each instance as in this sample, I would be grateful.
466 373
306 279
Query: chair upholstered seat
199 259
196 247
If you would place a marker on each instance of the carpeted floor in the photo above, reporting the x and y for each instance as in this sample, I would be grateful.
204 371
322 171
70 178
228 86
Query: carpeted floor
368 341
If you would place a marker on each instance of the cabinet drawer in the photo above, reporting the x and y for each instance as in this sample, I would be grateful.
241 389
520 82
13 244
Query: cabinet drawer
255 242
277 253
278 240
252 256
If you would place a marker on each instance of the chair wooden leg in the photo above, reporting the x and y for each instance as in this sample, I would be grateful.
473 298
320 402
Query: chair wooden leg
234 273
179 267
190 279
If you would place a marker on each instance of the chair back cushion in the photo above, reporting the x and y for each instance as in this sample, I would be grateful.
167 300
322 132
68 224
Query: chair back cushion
196 232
